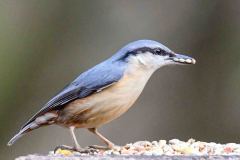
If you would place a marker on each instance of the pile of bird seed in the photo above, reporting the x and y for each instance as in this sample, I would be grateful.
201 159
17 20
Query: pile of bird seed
157 148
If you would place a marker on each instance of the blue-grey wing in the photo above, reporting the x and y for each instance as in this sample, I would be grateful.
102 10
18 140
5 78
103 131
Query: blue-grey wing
89 82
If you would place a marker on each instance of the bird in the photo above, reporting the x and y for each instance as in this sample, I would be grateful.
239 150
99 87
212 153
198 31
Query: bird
105 91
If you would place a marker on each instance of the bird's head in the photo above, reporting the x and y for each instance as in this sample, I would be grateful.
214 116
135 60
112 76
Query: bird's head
151 54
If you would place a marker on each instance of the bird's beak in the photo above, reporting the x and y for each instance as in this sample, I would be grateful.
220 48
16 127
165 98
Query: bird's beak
182 59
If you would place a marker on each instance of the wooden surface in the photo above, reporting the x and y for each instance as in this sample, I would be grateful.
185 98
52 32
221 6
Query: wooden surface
42 157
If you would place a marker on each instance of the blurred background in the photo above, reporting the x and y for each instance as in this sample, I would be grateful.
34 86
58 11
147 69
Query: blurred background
46 44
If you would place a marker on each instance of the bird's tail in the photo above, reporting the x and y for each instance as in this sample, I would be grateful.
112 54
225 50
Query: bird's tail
22 132
36 122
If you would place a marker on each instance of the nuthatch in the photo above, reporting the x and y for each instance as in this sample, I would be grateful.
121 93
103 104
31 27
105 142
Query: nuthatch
106 91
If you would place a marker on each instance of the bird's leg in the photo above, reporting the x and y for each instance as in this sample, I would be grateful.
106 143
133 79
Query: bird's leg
109 144
76 147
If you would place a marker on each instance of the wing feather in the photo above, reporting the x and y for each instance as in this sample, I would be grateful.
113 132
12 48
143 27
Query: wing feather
91 81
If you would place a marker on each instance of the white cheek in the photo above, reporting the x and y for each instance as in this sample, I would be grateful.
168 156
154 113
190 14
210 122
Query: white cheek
153 61
159 61
141 59
148 60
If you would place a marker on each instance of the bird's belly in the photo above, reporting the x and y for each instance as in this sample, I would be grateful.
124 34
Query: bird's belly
102 107
97 109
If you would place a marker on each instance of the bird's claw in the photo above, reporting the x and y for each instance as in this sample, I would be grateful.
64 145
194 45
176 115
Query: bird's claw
61 148
112 147
64 147
98 147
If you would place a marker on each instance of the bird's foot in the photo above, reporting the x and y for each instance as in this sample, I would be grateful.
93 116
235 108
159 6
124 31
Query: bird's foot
64 147
112 147
67 150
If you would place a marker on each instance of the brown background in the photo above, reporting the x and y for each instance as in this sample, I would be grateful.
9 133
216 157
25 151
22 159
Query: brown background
45 44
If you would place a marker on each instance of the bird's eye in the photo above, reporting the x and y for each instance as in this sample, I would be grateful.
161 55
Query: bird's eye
160 52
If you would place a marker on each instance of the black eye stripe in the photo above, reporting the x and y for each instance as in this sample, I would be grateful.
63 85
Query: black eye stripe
171 54
160 52
156 51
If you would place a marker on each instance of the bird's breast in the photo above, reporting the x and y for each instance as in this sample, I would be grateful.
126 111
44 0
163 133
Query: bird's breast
106 105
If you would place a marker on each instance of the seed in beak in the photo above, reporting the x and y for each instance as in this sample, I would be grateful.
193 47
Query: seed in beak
193 61
189 61
175 59
182 60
